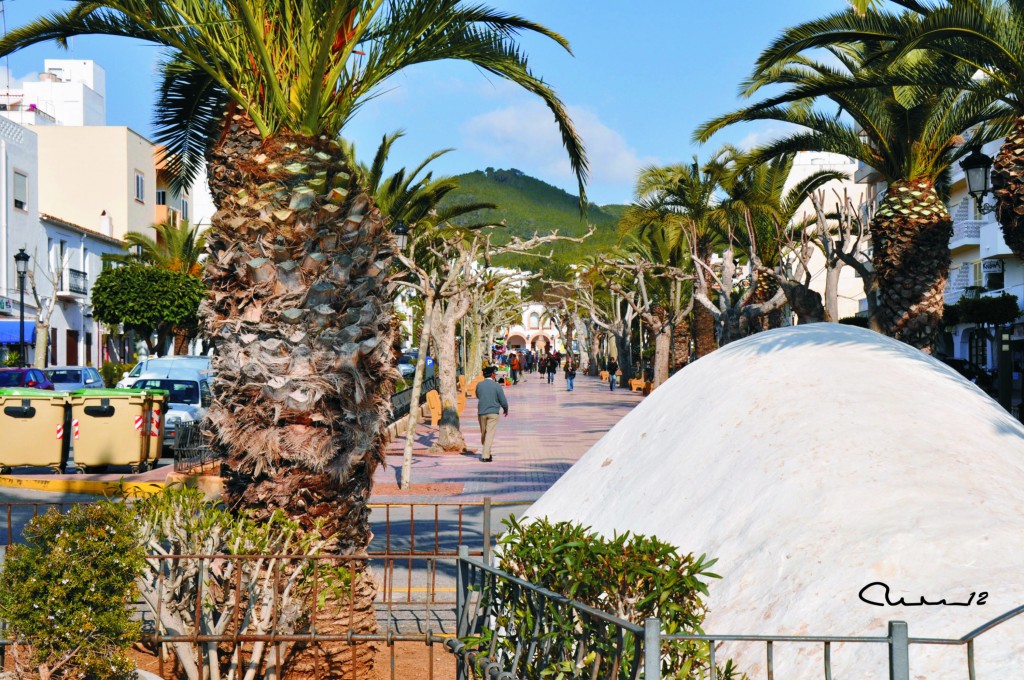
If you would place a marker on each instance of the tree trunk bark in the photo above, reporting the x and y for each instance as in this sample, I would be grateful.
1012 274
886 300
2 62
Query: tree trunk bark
911 232
595 351
624 350
449 436
703 331
1008 187
680 344
662 352
474 364
417 390
296 267
42 345
832 292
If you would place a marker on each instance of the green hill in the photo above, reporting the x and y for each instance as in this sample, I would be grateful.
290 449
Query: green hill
528 205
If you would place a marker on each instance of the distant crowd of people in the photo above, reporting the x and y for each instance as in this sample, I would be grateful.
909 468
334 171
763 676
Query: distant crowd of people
520 362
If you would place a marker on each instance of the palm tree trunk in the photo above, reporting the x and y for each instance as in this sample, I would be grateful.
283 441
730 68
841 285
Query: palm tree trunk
1008 187
681 344
297 257
910 234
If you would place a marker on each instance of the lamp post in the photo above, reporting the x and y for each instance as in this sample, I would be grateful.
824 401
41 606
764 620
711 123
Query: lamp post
21 264
976 167
401 232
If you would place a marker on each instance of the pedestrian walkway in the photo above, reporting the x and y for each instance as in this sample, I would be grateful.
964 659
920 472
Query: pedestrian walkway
548 429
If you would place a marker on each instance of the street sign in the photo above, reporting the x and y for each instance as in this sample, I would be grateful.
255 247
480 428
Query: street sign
6 306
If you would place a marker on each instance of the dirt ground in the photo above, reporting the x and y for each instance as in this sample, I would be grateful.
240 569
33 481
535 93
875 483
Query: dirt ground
412 661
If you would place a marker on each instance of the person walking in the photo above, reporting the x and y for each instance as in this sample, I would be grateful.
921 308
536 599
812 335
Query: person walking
570 373
490 399
513 367
613 368
552 369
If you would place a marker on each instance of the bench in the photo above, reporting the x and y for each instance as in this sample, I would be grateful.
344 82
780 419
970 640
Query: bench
462 382
636 384
471 388
434 404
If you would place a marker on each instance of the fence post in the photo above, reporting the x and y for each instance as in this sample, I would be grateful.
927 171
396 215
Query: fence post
487 529
461 616
899 651
652 649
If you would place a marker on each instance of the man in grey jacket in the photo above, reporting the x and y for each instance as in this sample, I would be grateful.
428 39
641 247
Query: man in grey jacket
490 399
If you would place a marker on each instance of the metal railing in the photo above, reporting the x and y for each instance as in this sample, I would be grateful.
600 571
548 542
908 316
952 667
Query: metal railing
78 281
191 449
401 401
506 625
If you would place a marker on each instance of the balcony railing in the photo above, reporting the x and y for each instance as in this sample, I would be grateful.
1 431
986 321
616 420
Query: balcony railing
966 232
72 284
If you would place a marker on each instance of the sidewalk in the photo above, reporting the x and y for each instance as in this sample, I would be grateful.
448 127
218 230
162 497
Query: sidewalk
547 430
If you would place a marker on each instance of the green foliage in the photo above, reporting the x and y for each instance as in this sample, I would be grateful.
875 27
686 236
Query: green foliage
66 592
1000 310
113 372
146 299
950 315
527 205
859 321
12 359
629 575
235 592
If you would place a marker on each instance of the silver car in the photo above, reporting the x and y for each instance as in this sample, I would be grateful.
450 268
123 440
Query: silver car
188 400
68 378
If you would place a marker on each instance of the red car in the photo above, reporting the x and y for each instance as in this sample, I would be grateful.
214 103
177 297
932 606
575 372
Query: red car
24 377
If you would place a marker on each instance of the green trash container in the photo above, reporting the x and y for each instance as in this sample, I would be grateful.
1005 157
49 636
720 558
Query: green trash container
33 428
110 428
156 421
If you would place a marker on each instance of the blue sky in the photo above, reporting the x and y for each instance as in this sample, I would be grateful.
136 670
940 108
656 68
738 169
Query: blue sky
643 76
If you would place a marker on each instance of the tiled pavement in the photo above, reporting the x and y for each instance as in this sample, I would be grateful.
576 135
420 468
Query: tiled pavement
547 430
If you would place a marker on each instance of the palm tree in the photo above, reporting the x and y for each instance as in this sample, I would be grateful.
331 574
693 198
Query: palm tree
988 35
177 247
678 202
298 253
910 135
410 198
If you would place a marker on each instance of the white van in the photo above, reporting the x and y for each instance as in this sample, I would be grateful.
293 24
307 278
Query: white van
195 363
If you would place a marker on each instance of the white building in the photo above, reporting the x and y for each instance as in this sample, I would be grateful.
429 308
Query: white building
535 332
72 188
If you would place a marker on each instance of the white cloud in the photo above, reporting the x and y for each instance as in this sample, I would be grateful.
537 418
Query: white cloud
525 136
9 80
769 133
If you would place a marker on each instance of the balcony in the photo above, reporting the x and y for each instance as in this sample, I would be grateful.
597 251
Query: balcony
73 285
966 234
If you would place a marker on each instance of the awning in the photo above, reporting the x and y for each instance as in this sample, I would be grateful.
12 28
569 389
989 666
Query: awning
9 334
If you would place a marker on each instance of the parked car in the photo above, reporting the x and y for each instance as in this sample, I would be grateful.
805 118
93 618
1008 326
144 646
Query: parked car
74 377
196 363
406 365
189 397
24 377
973 372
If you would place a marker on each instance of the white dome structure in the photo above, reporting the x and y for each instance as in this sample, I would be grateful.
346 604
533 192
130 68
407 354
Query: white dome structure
813 461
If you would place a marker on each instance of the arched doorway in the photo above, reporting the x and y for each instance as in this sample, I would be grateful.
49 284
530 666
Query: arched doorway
515 341
540 343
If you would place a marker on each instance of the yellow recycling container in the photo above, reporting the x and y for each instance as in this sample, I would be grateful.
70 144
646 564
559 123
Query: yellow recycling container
32 428
110 427
157 409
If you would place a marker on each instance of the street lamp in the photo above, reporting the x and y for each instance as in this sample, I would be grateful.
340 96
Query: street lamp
21 264
976 167
401 232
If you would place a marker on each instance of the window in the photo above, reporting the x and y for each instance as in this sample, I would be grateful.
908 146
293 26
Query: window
140 187
20 191
161 196
976 278
535 320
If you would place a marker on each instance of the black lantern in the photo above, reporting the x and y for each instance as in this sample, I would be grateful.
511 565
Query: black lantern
401 232
976 167
21 265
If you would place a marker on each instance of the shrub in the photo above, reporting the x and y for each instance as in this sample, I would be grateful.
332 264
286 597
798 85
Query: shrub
629 575
113 372
65 593
238 593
